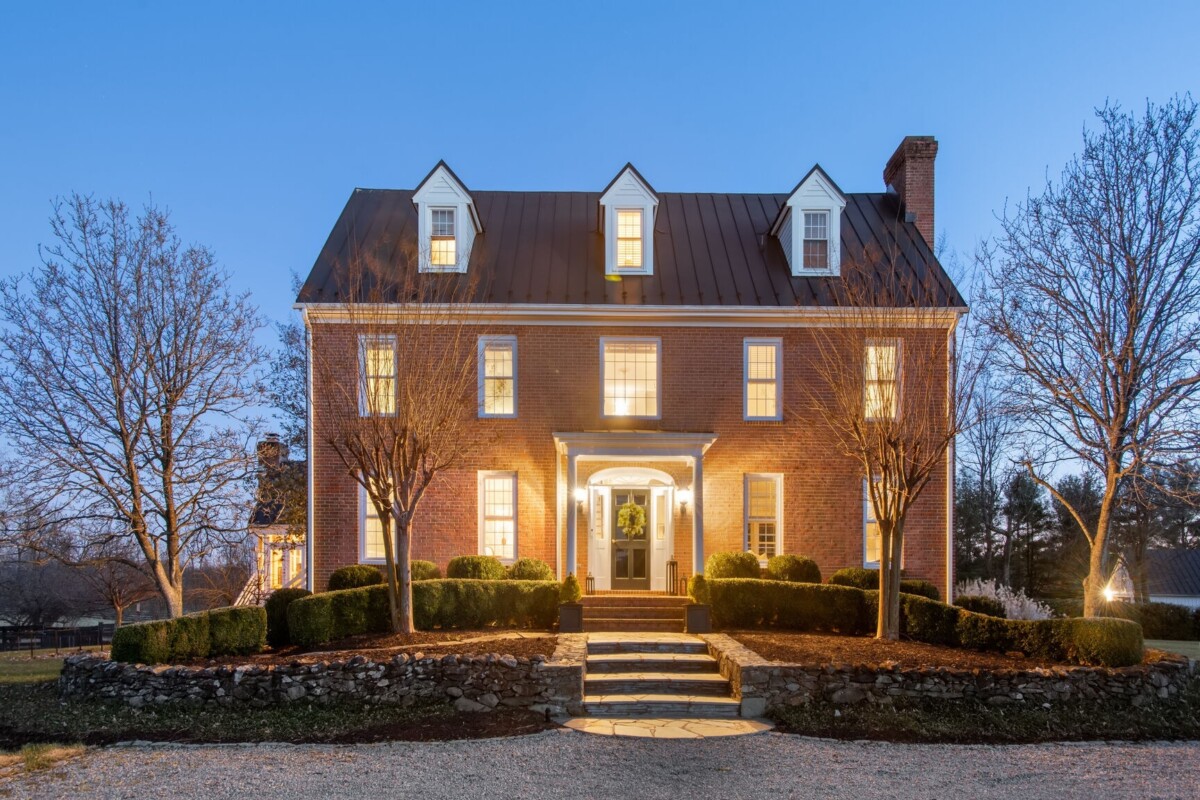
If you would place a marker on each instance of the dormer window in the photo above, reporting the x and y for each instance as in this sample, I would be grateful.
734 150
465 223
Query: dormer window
443 251
629 238
816 240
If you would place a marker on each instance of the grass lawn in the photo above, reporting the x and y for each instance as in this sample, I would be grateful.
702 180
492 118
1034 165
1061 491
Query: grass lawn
14 670
1189 649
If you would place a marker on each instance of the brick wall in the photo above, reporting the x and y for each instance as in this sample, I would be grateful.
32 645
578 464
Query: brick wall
910 172
559 390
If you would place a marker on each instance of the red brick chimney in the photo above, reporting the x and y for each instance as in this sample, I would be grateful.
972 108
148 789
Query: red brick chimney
909 172
271 452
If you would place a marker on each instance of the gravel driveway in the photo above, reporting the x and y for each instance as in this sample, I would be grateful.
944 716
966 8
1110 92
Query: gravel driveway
561 764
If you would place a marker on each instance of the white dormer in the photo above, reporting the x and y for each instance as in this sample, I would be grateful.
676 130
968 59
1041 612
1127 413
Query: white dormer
627 209
809 226
447 221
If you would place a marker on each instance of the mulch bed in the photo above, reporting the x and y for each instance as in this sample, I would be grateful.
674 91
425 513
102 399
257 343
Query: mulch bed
819 649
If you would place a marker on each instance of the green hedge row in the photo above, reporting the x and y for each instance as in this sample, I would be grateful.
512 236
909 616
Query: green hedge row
1158 620
448 603
221 632
868 579
752 603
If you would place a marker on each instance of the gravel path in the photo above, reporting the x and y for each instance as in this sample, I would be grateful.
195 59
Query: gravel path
562 764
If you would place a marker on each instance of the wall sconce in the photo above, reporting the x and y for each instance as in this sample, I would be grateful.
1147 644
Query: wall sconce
685 497
580 496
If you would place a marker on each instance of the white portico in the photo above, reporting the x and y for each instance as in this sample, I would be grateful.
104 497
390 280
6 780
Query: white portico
602 472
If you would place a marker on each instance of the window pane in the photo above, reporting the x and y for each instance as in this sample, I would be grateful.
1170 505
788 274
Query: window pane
379 377
629 238
762 538
499 516
762 498
816 225
816 253
498 396
443 222
373 533
498 360
629 224
442 252
760 400
631 379
760 361
871 552
881 362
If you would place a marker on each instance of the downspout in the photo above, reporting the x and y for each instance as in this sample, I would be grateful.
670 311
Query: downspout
951 472
311 465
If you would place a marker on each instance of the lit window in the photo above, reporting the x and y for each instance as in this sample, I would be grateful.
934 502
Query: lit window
762 514
880 393
497 376
816 239
631 372
372 530
443 251
870 531
378 384
762 359
498 514
629 238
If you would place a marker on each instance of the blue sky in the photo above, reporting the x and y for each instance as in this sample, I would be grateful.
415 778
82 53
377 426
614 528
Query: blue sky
253 122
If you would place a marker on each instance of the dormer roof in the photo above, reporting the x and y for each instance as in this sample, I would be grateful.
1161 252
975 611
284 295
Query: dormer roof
442 180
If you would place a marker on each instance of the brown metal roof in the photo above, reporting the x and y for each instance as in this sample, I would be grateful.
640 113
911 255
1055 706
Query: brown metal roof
709 249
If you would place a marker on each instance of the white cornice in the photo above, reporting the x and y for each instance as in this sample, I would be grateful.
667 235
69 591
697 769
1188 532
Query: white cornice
668 316
633 444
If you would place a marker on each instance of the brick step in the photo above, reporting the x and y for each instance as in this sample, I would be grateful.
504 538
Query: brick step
633 612
660 705
630 625
637 683
604 663
618 645
640 601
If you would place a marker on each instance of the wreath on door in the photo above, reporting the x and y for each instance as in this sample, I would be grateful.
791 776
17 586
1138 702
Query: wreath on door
631 518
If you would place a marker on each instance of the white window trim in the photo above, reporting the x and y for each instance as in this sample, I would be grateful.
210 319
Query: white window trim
746 479
364 340
645 268
747 343
481 479
898 378
457 238
815 193
364 503
484 341
658 364
828 240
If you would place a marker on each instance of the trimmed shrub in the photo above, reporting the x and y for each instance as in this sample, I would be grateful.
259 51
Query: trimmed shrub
756 603
484 568
981 605
919 587
1102 641
928 620
276 608
732 565
570 591
447 603
858 577
237 630
1105 642
794 569
142 643
1158 620
698 590
354 576
530 569
424 570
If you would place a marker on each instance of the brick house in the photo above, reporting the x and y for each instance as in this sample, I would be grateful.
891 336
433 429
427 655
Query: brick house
643 348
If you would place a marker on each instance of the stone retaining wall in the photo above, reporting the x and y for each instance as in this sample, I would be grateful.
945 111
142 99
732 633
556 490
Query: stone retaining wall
762 685
472 683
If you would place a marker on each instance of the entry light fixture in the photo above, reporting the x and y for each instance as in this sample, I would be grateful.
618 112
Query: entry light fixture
685 497
580 495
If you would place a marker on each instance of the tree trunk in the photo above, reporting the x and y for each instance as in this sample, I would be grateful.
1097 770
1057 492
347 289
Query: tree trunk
1097 577
888 626
173 595
1006 566
404 568
119 611
388 524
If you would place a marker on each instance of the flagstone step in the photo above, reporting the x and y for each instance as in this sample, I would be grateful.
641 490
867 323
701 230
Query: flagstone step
657 683
660 705
651 662
673 613
614 642
617 624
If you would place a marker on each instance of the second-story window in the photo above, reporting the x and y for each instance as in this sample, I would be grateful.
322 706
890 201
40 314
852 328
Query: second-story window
816 240
881 392
377 376
497 376
762 359
629 238
630 377
443 249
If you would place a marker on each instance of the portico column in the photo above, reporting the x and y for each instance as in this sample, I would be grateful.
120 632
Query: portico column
698 514
572 514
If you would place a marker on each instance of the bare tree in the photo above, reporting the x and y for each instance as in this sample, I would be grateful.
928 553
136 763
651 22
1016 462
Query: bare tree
893 393
217 580
126 368
397 372
985 458
1094 293
112 572
287 385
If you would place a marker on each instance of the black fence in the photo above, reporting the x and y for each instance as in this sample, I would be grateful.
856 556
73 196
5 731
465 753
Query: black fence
57 639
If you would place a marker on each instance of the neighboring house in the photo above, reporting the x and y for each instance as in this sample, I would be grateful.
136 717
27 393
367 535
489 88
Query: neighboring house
277 524
1172 576
645 347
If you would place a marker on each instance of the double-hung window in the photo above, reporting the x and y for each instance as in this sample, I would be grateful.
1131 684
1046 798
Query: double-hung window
370 530
497 376
630 376
763 505
816 240
377 376
629 238
498 515
762 393
881 372
870 531
443 247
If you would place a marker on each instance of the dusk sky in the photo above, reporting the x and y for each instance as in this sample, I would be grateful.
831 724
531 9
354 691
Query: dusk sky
253 124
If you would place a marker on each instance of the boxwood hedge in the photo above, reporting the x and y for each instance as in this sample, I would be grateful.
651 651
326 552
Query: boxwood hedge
446 603
863 578
276 608
223 631
732 565
484 568
354 575
751 603
796 569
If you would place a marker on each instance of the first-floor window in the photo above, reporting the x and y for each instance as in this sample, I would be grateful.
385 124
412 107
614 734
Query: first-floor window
371 530
762 503
498 515
870 531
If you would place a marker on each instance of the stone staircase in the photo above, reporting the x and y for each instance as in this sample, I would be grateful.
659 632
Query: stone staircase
653 675
633 612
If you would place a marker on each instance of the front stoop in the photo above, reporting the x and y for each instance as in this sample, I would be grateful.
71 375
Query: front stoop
654 676
633 612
